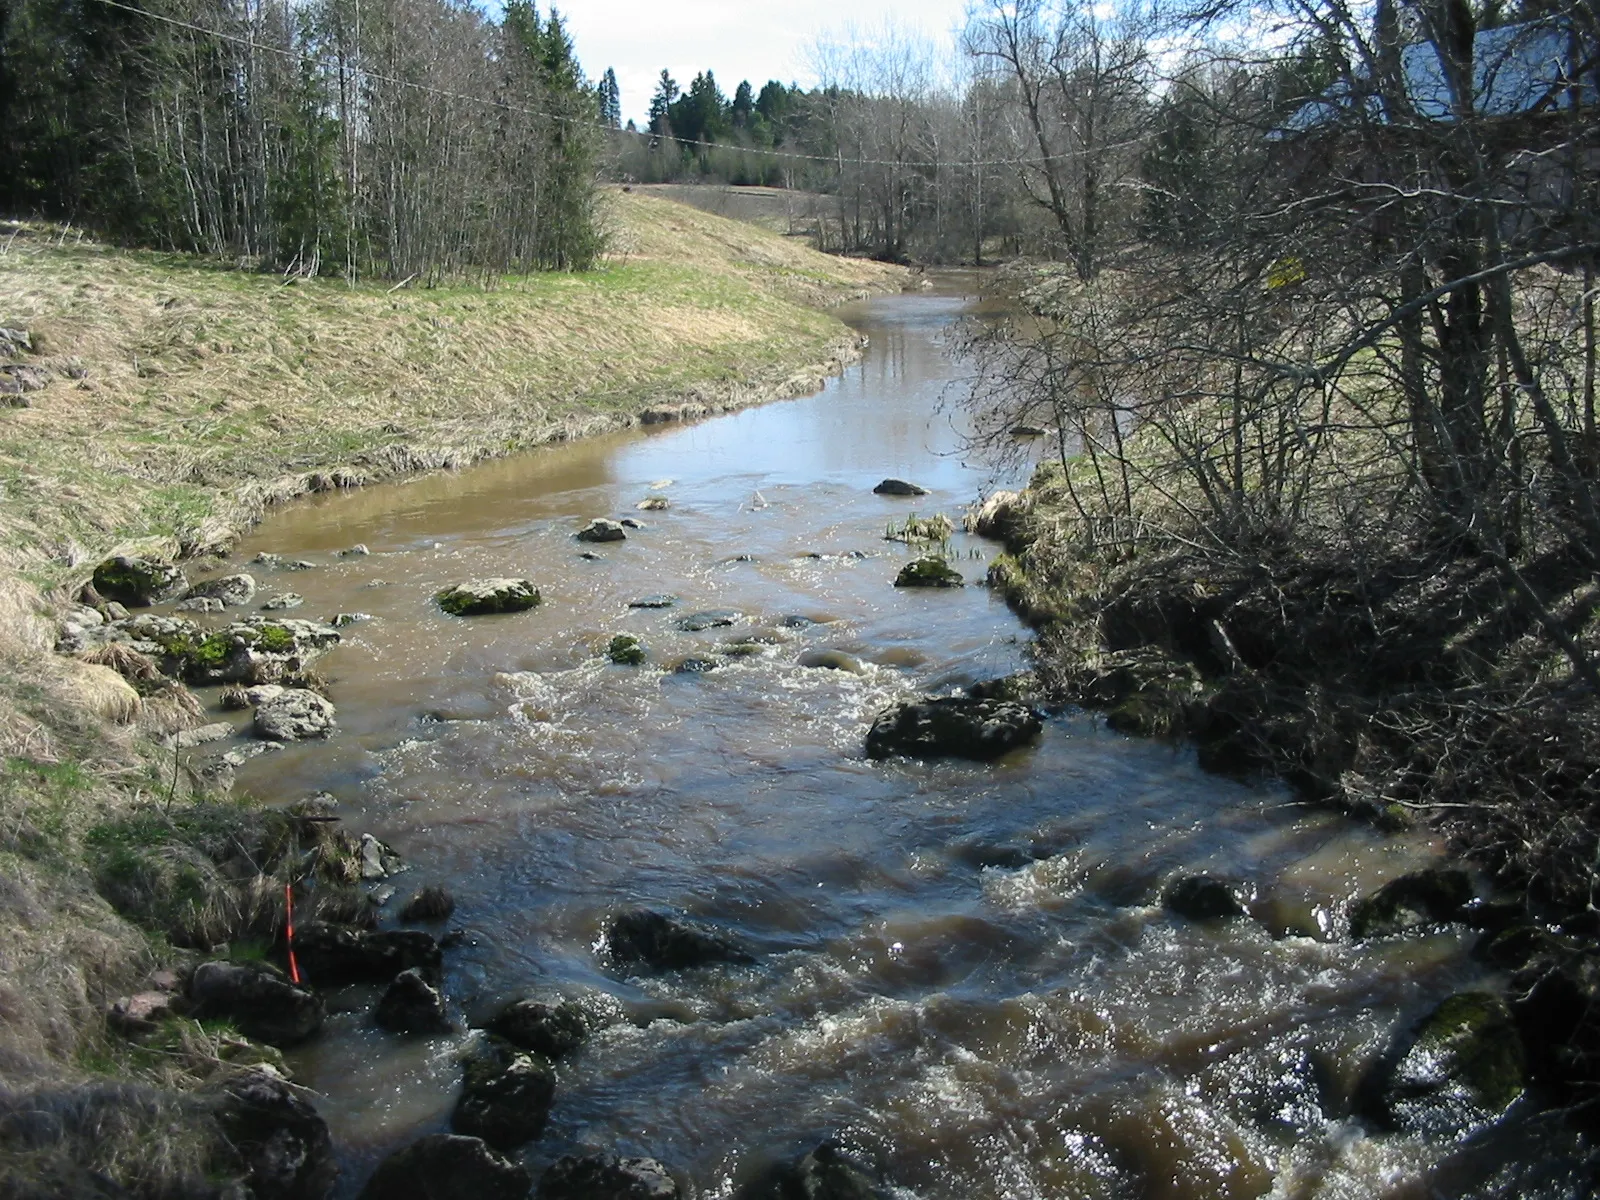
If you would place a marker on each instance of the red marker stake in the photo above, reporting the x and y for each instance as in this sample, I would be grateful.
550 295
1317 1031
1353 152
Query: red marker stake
288 904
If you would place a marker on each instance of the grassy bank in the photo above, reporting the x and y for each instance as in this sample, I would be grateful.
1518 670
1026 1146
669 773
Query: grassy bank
183 397
207 392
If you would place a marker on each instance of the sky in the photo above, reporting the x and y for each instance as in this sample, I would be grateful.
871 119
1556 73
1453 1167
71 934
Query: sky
756 40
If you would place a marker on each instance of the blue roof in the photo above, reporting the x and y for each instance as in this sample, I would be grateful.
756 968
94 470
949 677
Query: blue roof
1515 69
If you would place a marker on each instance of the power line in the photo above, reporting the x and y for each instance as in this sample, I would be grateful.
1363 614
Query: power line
506 106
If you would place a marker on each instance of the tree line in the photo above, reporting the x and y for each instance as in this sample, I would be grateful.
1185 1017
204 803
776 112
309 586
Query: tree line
396 138
1321 355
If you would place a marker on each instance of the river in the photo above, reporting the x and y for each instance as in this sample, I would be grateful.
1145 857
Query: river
963 971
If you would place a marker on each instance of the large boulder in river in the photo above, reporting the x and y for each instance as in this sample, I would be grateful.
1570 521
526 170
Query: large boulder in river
929 572
1203 898
505 1096
668 943
1437 896
827 1173
332 954
606 1177
448 1167
412 1005
602 530
899 487
476 597
953 727
294 715
139 581
553 1030
260 1002
229 589
281 1140
1460 1067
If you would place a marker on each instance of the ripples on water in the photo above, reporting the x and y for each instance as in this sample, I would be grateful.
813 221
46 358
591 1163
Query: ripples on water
962 973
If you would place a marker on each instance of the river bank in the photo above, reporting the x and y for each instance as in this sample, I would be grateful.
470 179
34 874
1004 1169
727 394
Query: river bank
159 405
1400 691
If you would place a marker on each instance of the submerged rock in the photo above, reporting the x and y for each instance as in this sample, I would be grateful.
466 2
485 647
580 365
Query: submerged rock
476 597
668 943
281 1140
506 1095
606 1177
602 530
553 1030
138 580
1436 896
832 660
412 1005
448 1166
294 715
899 487
953 726
827 1173
1203 898
658 601
430 904
930 572
283 601
695 665
654 504
229 589
257 999
711 618
626 650
1461 1067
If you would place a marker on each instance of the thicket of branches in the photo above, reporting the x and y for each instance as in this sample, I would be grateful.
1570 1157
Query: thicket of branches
390 137
1326 392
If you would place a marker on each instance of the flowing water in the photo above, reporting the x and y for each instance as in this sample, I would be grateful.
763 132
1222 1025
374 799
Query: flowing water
963 972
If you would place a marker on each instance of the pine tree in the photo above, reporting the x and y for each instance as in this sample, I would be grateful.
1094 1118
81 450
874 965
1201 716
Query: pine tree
661 104
610 100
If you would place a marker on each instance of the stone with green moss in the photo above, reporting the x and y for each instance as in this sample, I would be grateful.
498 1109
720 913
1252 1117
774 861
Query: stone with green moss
626 650
476 597
1433 897
138 580
930 572
1462 1066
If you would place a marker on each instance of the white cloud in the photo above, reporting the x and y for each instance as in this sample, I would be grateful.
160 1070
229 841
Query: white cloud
756 40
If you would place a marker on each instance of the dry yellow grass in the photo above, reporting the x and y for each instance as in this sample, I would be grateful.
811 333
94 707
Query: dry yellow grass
211 391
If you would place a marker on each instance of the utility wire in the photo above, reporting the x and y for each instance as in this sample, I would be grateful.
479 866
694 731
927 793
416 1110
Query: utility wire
506 106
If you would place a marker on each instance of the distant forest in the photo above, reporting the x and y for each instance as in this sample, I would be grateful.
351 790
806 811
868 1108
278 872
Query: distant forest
403 138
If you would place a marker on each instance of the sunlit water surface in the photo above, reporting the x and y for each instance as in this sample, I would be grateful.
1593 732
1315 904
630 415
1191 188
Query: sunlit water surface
963 971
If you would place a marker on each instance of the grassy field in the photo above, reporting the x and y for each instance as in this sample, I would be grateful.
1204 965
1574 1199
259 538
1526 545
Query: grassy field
209 391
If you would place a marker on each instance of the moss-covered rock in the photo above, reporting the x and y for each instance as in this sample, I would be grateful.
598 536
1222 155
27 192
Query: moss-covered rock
929 572
505 1096
139 581
953 727
476 597
1461 1066
1433 897
626 650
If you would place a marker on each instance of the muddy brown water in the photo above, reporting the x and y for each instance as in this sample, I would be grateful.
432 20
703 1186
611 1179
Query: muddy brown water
963 972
